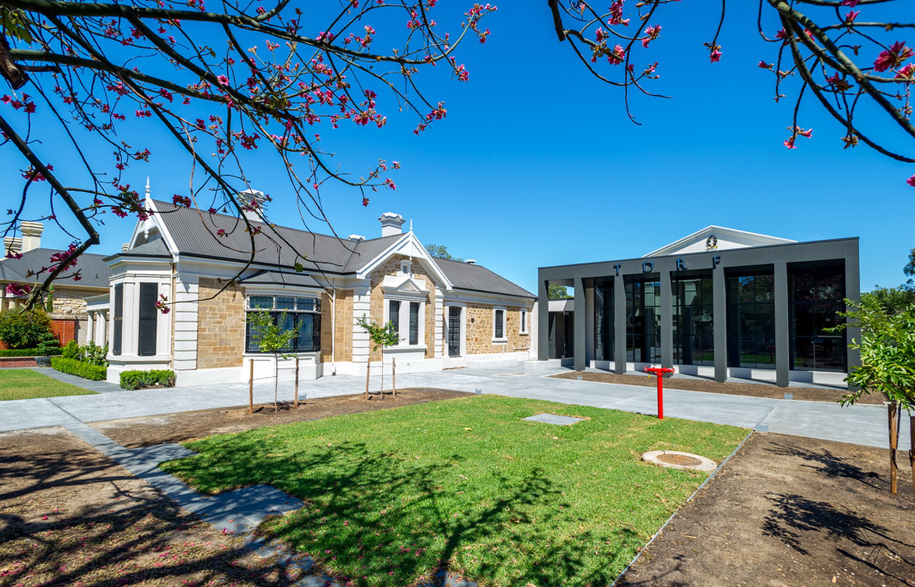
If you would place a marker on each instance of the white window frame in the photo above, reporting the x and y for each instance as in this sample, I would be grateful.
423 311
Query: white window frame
403 326
525 316
504 337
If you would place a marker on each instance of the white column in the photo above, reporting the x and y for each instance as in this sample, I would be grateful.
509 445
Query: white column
90 327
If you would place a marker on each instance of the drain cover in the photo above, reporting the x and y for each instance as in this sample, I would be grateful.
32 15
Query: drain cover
679 460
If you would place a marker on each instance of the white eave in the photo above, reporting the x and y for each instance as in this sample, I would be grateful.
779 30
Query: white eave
408 246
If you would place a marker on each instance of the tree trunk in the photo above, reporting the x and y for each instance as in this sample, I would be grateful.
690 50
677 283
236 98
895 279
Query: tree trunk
296 382
912 450
893 414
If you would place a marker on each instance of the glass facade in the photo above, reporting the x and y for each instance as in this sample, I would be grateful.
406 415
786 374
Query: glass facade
751 320
692 321
816 295
603 322
643 320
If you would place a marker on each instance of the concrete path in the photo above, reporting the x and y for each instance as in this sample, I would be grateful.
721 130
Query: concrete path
861 424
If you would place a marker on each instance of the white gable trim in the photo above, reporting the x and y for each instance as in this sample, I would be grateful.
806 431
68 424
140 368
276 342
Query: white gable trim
408 246
749 239
143 227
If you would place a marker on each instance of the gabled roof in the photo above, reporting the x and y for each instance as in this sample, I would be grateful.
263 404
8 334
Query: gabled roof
196 234
724 238
93 270
280 278
474 277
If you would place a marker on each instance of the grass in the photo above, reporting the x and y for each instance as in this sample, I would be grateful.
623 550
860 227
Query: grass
27 384
464 485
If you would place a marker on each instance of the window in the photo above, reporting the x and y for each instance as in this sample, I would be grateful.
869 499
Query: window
817 295
643 320
523 329
394 315
406 268
751 320
693 333
300 314
603 322
414 322
118 321
146 328
498 324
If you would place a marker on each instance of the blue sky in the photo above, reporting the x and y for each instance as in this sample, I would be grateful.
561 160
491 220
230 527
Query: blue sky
537 163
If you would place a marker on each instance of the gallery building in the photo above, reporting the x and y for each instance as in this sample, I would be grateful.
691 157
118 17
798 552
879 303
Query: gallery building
199 267
718 303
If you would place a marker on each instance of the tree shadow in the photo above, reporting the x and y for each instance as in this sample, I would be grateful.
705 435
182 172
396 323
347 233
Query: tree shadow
829 464
793 515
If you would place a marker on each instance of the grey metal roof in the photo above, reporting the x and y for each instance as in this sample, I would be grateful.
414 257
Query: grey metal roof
478 278
93 270
281 278
198 234
154 248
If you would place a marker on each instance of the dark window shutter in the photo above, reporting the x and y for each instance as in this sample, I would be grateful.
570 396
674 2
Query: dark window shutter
414 323
118 325
148 318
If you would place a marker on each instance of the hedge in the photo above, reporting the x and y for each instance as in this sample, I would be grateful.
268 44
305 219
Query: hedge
80 369
27 352
144 379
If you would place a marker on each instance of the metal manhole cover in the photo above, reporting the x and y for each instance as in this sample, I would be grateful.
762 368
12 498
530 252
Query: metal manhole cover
684 460
680 460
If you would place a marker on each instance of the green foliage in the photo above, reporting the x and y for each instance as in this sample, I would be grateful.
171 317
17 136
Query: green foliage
441 252
28 352
48 345
909 270
893 299
89 353
71 350
49 300
554 291
144 379
28 384
80 369
465 484
887 348
271 337
21 329
381 336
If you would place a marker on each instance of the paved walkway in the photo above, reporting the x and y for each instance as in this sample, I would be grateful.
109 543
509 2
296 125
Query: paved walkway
861 424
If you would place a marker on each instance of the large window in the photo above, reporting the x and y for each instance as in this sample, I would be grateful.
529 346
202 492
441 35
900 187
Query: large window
300 314
817 295
498 324
751 320
148 315
643 321
407 321
692 321
603 322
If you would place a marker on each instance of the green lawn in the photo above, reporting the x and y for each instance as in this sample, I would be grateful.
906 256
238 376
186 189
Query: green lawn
466 485
28 384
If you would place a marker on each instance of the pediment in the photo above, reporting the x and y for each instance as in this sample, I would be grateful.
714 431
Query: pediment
718 238
404 285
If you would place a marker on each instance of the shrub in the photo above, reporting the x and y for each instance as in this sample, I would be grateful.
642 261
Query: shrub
48 345
71 350
80 369
144 379
27 352
23 330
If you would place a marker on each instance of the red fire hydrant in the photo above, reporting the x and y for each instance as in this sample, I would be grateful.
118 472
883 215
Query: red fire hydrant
659 372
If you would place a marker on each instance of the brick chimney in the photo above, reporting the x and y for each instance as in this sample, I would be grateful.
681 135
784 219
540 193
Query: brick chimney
31 236
391 224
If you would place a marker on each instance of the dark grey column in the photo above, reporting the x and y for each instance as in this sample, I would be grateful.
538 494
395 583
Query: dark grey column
782 332
579 334
619 324
852 292
543 322
667 321
720 323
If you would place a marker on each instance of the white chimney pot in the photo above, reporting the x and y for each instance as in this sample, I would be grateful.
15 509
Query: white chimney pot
391 224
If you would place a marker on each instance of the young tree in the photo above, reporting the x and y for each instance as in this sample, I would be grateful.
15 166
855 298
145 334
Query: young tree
887 348
554 291
272 337
382 337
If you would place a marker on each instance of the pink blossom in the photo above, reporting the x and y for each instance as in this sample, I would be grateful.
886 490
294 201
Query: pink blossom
911 181
849 3
617 55
764 65
715 56
851 15
651 33
18 289
906 72
893 57
789 143
223 80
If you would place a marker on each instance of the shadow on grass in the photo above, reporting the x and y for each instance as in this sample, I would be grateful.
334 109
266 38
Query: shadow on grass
793 515
829 464
68 517
389 519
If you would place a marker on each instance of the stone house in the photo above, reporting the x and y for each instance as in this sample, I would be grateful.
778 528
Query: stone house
70 318
200 265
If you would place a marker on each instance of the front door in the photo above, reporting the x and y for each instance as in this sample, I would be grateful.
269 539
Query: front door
454 331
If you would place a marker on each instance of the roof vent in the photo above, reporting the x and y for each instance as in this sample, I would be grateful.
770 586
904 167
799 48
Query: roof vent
356 237
391 224
253 203
471 261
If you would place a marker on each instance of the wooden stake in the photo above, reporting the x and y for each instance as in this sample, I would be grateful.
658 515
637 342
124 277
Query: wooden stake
394 375
381 389
892 407
368 368
251 389
912 452
296 403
